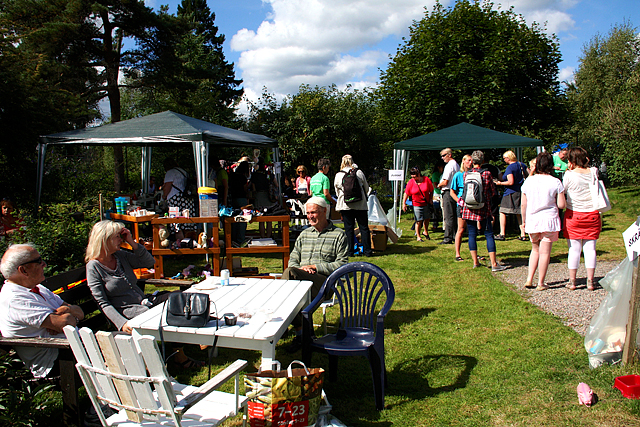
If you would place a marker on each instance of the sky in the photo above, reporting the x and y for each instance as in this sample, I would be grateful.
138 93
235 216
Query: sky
281 44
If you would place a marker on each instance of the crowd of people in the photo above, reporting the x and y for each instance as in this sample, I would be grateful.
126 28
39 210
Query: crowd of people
537 195
549 197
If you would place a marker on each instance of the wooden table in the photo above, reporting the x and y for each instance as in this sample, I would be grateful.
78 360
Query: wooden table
271 303
158 251
284 248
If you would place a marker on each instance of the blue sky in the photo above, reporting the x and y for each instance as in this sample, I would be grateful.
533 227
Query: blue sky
281 44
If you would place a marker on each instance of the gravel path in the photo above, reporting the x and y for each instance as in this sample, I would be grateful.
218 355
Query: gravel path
575 308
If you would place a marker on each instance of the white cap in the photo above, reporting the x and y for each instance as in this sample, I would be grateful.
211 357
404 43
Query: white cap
320 201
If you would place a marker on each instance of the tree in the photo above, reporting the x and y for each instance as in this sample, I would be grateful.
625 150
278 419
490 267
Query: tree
474 64
201 83
606 101
79 46
322 122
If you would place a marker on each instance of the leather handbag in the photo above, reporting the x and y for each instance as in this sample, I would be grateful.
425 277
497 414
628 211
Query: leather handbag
188 309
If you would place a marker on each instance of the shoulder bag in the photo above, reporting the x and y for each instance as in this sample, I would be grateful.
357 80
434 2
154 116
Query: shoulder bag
599 195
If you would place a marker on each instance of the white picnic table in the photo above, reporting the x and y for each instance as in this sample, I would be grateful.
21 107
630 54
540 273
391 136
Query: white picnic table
264 309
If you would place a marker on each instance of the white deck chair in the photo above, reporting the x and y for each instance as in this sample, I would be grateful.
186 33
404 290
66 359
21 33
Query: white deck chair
129 375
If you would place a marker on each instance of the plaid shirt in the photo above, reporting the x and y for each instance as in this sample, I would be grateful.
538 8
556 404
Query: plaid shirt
488 190
327 249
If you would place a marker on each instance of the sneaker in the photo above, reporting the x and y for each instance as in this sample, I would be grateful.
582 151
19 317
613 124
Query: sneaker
499 237
498 267
446 242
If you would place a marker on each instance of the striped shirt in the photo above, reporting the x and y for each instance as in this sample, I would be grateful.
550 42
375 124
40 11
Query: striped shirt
326 249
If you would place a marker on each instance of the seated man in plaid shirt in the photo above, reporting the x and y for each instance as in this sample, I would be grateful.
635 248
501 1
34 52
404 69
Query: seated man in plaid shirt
318 252
482 215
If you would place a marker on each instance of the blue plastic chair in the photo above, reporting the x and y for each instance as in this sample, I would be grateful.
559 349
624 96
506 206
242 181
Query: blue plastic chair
359 288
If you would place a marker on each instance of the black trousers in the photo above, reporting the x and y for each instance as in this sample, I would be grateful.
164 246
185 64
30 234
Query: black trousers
349 217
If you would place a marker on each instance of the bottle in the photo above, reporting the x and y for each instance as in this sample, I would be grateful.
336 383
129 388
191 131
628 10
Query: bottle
224 277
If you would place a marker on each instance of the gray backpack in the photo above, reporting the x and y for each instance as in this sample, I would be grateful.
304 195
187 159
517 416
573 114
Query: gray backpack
473 194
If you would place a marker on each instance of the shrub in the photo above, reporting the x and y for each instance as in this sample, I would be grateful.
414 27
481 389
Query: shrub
60 238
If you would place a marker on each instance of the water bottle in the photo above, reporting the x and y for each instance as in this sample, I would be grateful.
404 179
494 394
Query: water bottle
224 277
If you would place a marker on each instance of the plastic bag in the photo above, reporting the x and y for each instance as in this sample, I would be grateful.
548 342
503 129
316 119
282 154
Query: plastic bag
606 334
376 212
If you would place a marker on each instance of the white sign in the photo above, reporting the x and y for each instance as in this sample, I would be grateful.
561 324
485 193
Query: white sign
632 240
396 175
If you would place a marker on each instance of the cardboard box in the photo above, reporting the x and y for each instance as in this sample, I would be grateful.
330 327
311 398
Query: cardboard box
379 235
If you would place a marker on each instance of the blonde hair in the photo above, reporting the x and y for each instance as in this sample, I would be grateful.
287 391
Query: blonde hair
347 160
532 166
303 168
446 151
100 233
510 155
463 168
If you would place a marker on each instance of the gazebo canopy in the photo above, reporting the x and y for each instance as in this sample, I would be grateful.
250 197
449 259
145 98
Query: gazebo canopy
465 136
160 129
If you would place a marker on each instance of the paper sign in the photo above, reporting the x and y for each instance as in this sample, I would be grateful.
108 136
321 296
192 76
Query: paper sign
277 167
396 175
632 240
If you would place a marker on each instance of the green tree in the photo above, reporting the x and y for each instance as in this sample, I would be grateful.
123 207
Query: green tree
201 83
606 101
322 122
76 47
474 64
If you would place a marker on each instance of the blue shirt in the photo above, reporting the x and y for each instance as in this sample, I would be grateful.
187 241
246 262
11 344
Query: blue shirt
457 183
516 169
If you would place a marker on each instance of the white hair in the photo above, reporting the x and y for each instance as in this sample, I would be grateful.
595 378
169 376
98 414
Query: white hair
319 201
14 257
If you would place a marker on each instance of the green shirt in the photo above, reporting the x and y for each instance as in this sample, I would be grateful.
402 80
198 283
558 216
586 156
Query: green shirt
319 183
558 162
327 249
435 178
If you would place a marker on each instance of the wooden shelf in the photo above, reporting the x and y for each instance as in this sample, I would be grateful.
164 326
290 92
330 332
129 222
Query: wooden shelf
158 252
284 248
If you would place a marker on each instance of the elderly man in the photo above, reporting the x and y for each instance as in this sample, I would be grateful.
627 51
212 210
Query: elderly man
448 204
318 251
28 309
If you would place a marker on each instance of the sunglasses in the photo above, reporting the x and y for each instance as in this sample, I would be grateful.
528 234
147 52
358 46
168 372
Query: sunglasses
33 261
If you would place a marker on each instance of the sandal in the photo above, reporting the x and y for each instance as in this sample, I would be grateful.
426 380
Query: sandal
419 240
481 258
523 238
189 363
590 285
529 285
542 287
572 285
426 236
459 258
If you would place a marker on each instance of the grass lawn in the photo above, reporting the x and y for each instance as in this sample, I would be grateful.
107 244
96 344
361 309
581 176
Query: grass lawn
463 348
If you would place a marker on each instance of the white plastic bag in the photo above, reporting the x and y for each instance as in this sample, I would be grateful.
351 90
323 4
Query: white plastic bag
376 212
606 334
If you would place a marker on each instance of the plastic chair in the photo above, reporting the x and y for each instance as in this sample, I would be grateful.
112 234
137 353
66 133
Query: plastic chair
128 374
360 288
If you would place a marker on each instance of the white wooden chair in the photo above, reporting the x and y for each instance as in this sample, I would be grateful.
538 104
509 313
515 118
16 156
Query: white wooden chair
129 375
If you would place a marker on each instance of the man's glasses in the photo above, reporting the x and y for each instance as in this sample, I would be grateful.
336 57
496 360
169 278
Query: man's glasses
33 261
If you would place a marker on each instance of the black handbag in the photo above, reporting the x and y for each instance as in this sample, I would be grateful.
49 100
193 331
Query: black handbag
188 309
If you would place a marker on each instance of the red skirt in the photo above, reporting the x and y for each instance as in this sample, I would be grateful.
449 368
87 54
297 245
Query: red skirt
581 225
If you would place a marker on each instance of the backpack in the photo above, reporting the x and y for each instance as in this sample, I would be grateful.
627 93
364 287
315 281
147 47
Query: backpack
191 187
473 191
351 186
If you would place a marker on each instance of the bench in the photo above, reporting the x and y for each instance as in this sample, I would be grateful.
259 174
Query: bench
72 287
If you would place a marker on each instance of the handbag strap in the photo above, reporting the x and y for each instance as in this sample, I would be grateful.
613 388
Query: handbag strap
420 189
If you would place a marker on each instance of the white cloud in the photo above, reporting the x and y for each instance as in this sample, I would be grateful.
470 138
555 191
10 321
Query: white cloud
320 42
567 75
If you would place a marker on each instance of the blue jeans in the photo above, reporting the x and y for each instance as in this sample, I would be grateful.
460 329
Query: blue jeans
472 230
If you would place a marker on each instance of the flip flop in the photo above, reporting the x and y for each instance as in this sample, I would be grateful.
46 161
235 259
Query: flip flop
419 240
523 238
459 258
